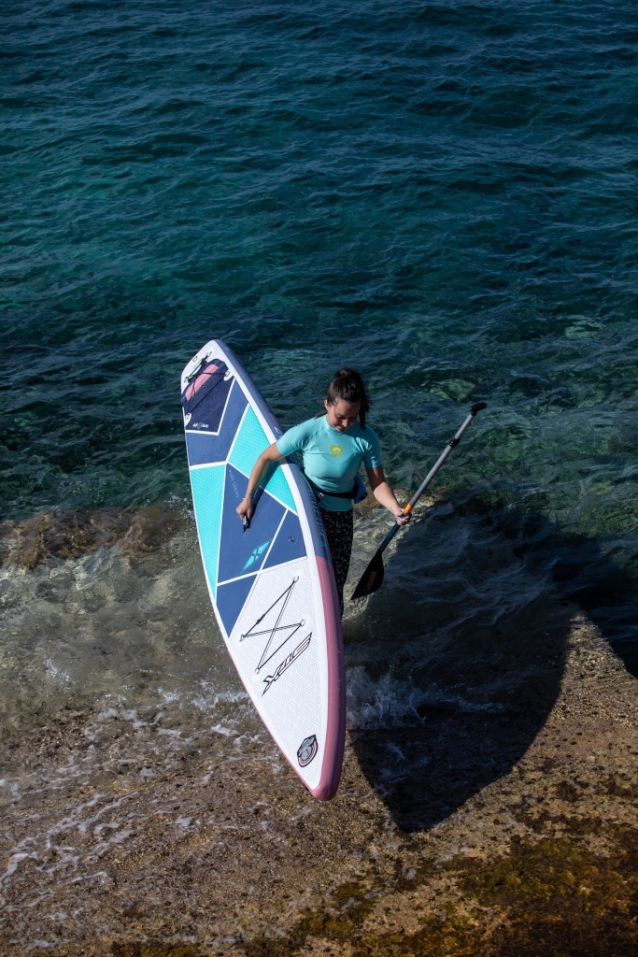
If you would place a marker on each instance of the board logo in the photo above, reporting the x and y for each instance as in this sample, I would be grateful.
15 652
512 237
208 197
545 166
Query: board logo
287 662
307 750
256 555
336 449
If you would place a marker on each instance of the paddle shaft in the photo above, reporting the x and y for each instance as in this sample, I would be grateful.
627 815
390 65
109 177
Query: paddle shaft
435 468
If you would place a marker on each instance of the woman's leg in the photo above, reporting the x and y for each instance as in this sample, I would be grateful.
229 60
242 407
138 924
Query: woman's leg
339 530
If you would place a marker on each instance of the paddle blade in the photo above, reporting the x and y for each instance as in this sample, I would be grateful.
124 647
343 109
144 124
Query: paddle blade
371 579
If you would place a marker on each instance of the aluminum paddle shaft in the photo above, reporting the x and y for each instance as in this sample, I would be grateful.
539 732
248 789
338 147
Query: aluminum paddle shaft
373 575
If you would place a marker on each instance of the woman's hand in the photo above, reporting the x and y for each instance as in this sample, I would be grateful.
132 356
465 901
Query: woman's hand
245 508
401 517
385 496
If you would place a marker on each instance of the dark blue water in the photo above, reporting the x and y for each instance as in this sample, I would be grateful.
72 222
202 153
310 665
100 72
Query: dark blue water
443 193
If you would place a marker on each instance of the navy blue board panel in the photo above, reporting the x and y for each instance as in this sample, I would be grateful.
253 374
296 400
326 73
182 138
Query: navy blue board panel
288 544
207 414
231 598
209 378
200 383
242 552
204 448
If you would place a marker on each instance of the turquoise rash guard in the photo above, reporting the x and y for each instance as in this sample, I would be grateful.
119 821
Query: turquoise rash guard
331 459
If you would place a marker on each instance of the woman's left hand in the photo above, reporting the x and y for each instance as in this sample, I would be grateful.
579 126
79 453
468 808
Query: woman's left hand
401 517
385 496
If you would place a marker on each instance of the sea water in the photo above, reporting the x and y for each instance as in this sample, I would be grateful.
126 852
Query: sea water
441 194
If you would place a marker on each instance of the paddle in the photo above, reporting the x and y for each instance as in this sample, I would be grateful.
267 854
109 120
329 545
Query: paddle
372 577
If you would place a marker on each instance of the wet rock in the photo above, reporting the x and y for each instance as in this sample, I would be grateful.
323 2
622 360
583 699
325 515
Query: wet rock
209 855
65 535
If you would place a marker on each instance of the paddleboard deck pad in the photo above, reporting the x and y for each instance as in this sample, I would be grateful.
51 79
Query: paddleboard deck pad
271 585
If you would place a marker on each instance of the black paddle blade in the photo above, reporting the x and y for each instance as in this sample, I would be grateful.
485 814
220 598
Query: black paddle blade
371 579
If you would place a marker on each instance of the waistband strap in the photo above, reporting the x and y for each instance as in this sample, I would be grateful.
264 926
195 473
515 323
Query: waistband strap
357 492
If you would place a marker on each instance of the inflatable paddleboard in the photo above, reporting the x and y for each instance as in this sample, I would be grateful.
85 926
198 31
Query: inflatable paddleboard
271 585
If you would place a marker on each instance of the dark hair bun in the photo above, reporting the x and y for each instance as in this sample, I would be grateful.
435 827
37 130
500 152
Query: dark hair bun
347 386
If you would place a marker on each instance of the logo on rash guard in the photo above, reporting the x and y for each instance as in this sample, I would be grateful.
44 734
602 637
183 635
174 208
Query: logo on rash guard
336 449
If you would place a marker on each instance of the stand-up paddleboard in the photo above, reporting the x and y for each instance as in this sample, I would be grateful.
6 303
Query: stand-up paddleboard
271 585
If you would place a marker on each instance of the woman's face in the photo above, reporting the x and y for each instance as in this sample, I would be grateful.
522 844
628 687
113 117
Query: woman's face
342 414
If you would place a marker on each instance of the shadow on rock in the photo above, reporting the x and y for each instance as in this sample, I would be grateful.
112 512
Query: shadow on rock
455 665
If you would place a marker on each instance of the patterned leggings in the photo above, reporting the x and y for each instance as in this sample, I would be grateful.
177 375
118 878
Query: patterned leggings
339 530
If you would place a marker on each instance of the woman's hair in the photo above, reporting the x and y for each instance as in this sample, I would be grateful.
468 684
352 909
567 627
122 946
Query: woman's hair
347 385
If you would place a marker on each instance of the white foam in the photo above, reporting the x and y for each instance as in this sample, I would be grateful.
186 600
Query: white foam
56 672
392 702
14 862
384 703
222 729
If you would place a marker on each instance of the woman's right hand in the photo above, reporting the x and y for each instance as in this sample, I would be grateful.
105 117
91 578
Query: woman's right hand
245 508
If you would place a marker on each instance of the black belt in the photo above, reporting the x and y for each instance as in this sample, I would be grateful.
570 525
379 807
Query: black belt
358 490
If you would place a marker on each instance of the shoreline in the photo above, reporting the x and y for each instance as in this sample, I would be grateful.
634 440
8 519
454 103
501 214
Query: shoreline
175 853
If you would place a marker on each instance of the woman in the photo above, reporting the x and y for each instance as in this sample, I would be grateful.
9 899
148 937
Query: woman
334 446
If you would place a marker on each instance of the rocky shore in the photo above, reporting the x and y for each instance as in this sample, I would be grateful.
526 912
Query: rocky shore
177 850
159 831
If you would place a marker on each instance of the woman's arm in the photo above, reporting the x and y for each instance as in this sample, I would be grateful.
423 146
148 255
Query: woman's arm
269 455
384 494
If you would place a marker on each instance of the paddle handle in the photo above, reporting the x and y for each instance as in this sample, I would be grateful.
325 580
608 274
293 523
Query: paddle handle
452 444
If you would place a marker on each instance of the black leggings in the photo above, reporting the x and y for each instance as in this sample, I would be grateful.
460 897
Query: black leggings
339 530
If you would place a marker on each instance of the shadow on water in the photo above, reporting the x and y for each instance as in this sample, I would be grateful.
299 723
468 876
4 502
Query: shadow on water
455 666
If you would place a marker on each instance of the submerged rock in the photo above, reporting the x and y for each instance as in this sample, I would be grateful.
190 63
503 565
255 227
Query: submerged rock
67 534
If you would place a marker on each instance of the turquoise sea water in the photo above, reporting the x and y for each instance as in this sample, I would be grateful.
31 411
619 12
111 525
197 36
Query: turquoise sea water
444 194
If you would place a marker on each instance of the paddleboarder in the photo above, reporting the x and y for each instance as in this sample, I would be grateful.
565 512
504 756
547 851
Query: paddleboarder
334 446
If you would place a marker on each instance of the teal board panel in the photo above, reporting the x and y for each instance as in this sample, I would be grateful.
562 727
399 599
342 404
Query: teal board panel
278 487
208 488
249 444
